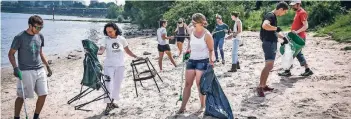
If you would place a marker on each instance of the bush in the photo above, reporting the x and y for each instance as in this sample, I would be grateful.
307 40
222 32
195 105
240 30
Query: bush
340 29
323 13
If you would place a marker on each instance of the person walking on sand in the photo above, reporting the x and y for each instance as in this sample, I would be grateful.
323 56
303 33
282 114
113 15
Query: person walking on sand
201 48
163 44
181 31
299 27
237 29
269 35
29 44
219 34
115 45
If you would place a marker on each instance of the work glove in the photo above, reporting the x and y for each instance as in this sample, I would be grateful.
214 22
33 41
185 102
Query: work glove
279 29
16 71
186 55
285 41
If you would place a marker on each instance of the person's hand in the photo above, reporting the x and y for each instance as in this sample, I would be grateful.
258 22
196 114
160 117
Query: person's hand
212 64
171 37
16 71
49 71
86 50
295 32
226 31
285 41
229 37
138 58
279 29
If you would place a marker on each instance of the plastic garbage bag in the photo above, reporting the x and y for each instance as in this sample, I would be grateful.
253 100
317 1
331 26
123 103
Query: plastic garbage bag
217 104
287 58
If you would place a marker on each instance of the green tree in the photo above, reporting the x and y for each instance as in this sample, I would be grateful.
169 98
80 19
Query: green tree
114 11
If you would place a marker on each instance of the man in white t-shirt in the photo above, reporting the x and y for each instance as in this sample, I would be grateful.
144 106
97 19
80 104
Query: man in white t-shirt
115 45
163 44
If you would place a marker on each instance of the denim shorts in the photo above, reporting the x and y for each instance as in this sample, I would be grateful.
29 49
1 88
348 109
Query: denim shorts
269 49
197 64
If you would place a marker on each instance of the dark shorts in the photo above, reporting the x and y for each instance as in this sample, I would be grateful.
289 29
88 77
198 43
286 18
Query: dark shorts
181 39
269 49
163 48
197 64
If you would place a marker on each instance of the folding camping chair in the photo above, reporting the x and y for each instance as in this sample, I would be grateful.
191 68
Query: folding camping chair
144 75
98 79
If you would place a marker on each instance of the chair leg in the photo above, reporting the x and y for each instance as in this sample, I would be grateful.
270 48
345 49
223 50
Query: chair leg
136 90
156 84
141 84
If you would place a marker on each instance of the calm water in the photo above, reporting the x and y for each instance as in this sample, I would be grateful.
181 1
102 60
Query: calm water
60 36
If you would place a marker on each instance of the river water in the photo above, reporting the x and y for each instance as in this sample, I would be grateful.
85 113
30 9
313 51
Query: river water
60 36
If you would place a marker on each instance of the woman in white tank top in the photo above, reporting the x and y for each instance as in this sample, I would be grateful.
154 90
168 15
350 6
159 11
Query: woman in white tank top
201 47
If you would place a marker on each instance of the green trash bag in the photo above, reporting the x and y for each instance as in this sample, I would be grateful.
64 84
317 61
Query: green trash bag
296 43
92 67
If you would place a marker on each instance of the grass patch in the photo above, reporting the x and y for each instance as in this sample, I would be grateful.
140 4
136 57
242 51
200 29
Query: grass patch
340 30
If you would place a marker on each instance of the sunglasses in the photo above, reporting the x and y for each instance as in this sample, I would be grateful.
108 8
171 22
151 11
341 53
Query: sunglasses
180 22
38 27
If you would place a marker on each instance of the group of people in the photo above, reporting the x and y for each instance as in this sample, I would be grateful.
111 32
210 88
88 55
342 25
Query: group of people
202 45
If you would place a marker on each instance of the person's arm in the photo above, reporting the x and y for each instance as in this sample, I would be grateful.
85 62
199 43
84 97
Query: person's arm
239 28
303 28
11 56
176 29
303 18
101 50
267 26
130 53
43 59
126 48
165 37
209 43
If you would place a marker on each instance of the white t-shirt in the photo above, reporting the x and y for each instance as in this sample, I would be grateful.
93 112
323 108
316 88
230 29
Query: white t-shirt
114 50
161 31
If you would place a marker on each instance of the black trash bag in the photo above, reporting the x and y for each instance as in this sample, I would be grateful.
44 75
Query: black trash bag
217 104
92 67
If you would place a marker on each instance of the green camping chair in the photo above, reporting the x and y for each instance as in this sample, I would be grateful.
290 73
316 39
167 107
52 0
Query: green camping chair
93 79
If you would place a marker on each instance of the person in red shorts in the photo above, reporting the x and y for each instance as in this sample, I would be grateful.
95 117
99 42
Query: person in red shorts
299 26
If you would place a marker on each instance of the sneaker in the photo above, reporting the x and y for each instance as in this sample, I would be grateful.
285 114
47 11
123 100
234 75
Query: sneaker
307 73
268 89
217 61
223 62
260 91
286 73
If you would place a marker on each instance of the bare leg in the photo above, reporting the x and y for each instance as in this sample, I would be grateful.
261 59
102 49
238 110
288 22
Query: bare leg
169 54
18 106
265 73
40 104
160 58
189 79
180 48
202 97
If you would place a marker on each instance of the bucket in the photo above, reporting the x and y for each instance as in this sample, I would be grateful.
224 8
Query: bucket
296 42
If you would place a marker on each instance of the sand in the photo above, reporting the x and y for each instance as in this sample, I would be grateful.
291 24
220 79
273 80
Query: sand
324 95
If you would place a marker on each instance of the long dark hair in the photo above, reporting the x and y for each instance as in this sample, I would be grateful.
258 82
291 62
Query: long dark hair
114 26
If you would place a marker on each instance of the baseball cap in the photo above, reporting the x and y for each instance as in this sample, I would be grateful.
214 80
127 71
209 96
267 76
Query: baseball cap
218 16
294 2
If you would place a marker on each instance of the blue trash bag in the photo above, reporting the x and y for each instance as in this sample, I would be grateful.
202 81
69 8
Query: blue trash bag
217 104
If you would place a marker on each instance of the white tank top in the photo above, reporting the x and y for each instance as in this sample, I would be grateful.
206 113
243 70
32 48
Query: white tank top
235 28
198 47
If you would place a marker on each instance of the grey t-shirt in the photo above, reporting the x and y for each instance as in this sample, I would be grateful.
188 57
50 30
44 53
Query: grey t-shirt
28 47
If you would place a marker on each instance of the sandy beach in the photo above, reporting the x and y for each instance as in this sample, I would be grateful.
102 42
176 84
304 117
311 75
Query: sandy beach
324 95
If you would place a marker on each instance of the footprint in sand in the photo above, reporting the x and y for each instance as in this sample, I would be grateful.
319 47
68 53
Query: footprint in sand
339 110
